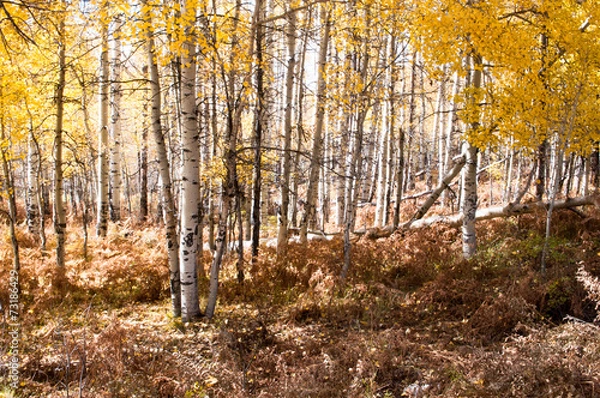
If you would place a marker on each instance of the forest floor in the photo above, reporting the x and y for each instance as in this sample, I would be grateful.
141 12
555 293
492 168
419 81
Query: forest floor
413 319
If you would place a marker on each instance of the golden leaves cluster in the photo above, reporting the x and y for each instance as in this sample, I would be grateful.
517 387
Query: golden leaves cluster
540 64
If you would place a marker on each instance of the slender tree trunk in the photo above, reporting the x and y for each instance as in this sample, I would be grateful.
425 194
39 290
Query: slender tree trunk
564 133
340 169
450 128
33 195
258 133
143 174
115 149
60 219
412 110
595 166
400 163
391 129
213 152
469 179
168 202
443 185
355 161
9 191
440 124
282 237
382 163
102 199
190 173
317 149
301 136
230 187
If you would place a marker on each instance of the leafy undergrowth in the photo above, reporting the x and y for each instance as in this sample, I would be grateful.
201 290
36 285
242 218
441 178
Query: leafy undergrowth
412 320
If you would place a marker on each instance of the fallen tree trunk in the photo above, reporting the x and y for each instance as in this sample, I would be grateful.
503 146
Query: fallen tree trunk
507 211
510 210
460 162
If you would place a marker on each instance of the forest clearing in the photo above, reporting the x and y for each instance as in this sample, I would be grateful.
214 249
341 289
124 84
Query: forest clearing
252 198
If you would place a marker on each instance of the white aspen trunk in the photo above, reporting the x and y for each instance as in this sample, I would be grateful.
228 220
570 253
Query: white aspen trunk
391 126
9 191
282 236
585 177
518 178
450 127
440 125
341 171
60 219
323 215
424 150
369 173
317 149
510 161
115 131
579 175
382 175
102 198
190 188
168 201
469 178
33 194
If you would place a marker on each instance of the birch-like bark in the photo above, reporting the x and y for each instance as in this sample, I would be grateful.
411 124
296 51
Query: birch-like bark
469 177
510 161
282 236
33 194
115 131
317 149
168 202
190 173
391 125
9 191
102 198
382 163
60 219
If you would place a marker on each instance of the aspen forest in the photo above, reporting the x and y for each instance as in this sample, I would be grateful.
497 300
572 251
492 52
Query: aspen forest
303 198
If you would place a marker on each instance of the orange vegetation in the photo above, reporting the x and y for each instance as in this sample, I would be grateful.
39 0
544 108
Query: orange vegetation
413 319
